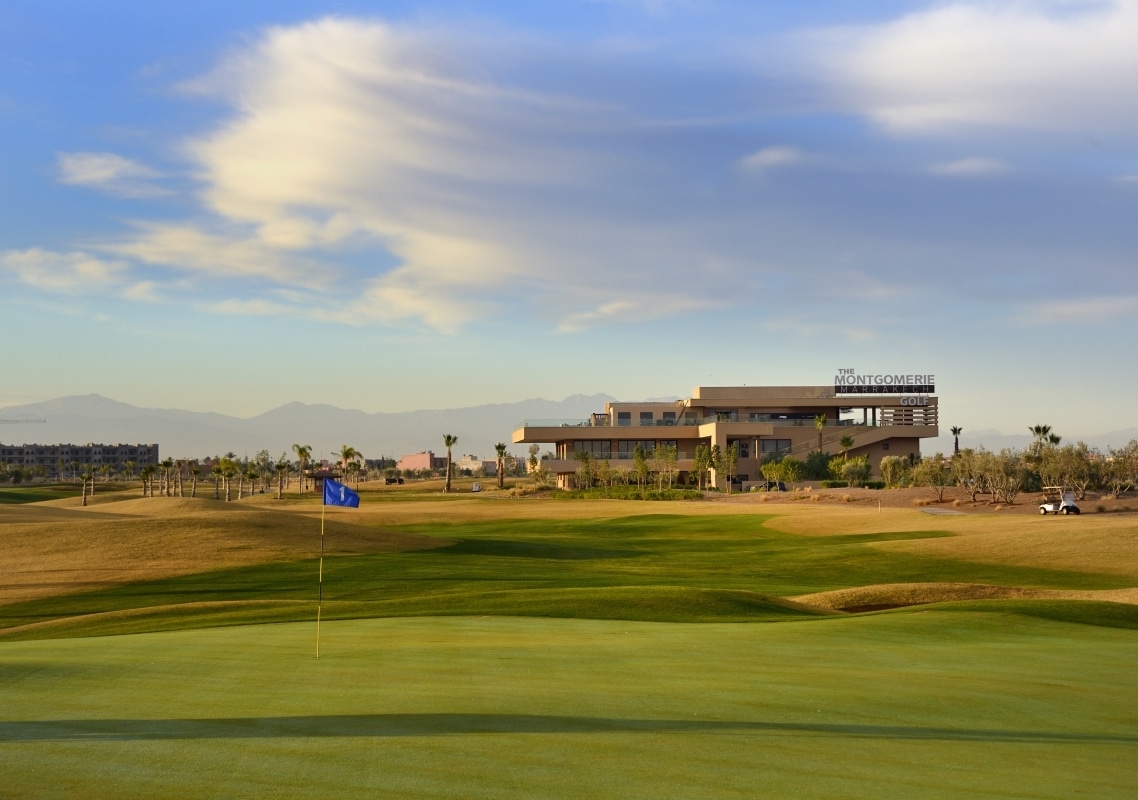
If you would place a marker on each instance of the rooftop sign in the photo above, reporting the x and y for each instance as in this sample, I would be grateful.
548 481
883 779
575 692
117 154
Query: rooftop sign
847 381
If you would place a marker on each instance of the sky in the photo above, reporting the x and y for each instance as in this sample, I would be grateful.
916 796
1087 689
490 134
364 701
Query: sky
389 206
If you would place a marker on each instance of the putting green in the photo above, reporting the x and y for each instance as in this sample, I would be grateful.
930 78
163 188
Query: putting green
922 703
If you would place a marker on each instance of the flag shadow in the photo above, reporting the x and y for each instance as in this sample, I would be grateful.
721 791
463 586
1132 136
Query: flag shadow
405 725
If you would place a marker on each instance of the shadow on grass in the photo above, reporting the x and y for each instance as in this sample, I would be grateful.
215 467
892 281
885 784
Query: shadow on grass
391 725
520 549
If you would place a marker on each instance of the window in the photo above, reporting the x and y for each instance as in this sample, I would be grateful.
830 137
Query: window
624 418
598 449
626 449
669 417
646 418
885 445
744 446
774 445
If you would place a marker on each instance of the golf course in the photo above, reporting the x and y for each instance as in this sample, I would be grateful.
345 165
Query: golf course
490 646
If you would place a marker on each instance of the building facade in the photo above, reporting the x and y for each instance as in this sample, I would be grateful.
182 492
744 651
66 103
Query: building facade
423 460
883 419
56 460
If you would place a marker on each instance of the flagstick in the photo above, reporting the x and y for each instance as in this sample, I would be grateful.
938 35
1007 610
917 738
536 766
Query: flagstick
320 582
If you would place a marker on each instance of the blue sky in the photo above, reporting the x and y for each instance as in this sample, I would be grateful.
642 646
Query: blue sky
389 206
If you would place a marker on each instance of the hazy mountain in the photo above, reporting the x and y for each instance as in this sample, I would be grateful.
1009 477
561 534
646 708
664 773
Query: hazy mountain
93 418
995 441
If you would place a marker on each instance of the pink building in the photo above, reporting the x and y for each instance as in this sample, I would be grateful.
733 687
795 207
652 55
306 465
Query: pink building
421 460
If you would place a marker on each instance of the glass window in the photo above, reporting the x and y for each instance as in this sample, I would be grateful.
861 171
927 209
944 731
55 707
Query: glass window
646 418
624 418
774 445
626 448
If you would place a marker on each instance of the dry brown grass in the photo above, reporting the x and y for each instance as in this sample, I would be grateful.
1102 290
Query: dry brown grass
59 547
909 594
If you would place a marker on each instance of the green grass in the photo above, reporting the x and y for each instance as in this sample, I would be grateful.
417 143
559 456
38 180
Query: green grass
698 568
930 703
36 493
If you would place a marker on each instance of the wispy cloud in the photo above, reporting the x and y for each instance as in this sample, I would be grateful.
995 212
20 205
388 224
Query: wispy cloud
771 157
109 173
74 273
970 167
1080 310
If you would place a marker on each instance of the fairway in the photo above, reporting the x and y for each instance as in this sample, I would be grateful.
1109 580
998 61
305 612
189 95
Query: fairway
916 705
501 648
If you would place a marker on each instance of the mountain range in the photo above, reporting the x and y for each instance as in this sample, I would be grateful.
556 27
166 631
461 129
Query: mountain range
193 434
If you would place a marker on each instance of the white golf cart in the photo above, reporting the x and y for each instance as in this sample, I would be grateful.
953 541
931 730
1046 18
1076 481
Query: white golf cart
1058 500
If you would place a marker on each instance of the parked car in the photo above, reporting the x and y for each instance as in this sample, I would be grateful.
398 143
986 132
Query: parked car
390 481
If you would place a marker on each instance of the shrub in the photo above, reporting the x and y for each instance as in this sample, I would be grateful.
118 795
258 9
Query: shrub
875 484
1100 508
832 484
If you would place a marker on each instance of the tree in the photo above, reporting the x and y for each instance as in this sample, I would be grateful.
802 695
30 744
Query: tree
956 431
303 453
167 467
450 440
281 467
965 471
669 456
500 450
215 473
701 462
933 473
129 466
846 442
820 425
1040 432
584 475
604 474
856 471
730 463
195 473
640 466
772 471
1121 471
793 470
716 462
894 470
817 465
348 456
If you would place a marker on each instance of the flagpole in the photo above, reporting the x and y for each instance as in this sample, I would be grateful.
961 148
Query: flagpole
320 581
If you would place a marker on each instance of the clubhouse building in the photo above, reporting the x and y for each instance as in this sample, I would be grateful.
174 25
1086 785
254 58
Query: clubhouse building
56 459
884 415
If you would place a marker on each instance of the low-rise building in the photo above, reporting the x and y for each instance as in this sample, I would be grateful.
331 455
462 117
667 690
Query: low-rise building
883 418
57 460
473 464
422 460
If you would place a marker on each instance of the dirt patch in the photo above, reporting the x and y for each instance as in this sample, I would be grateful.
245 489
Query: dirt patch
899 595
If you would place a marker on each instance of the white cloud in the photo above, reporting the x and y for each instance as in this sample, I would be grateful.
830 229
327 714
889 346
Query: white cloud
1088 309
1012 64
970 167
72 273
769 157
108 172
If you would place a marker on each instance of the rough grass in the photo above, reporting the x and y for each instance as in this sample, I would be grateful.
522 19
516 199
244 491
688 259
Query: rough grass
677 567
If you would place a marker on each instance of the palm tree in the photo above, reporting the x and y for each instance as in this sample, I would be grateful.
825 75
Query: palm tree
144 474
846 442
281 468
85 476
195 473
167 468
348 454
450 440
1040 433
215 471
956 431
500 449
820 425
303 453
128 465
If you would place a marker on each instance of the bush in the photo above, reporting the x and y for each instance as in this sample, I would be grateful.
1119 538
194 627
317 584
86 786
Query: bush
626 493
875 484
817 466
830 484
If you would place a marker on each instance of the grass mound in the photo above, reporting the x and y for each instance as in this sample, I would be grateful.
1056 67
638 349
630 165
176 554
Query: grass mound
894 595
1080 612
637 603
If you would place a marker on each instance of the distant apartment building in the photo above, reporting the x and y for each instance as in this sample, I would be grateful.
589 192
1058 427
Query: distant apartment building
473 464
57 459
422 460
883 415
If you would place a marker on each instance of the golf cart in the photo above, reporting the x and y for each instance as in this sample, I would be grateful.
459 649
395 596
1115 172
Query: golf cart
1058 500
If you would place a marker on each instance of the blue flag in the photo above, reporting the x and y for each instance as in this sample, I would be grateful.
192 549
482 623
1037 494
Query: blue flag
337 494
